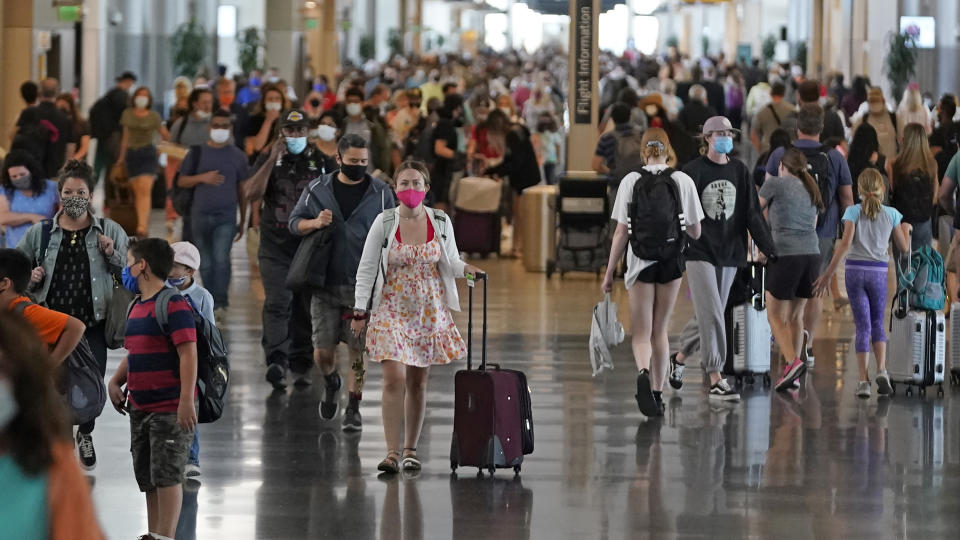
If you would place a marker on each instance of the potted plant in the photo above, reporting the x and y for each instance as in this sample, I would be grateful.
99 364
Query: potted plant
367 47
769 49
901 62
189 44
251 44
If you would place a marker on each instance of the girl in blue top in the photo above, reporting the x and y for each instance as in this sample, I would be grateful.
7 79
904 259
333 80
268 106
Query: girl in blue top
26 197
867 228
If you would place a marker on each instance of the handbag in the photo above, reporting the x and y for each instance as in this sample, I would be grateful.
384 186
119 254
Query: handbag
308 270
118 173
115 327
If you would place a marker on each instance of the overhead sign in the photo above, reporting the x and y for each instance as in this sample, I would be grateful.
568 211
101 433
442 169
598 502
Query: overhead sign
584 39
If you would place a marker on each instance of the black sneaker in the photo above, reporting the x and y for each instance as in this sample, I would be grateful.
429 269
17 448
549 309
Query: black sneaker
645 400
329 406
676 372
723 391
658 397
352 421
85 451
276 376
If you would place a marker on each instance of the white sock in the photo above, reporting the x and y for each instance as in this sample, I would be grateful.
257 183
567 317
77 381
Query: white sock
160 536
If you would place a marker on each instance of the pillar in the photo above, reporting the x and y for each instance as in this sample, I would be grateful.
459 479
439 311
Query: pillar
98 77
283 32
16 56
583 83
322 39
417 27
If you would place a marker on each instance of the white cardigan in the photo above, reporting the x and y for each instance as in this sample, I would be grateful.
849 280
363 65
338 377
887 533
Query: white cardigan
373 263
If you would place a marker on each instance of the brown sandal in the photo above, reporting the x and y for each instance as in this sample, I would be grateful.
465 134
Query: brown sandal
410 461
390 464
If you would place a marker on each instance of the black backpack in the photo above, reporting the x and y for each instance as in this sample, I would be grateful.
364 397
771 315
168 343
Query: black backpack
627 155
213 365
820 168
656 229
81 385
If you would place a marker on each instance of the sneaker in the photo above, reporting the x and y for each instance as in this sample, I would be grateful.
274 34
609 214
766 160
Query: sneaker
88 456
723 391
329 406
863 389
220 317
658 397
645 400
276 376
791 373
884 388
806 351
192 471
352 421
676 372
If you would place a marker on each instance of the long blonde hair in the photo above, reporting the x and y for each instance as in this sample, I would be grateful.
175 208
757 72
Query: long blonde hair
914 155
871 189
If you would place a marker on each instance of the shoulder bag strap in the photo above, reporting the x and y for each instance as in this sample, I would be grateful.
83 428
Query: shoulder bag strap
773 111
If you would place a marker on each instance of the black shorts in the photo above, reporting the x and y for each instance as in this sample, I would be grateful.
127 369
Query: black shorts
662 272
792 276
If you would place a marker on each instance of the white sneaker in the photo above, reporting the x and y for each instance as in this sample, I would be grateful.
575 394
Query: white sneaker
191 471
863 389
723 392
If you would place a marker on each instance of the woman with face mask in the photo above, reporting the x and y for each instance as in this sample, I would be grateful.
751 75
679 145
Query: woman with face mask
75 260
26 197
141 125
49 496
262 129
411 326
731 209
326 135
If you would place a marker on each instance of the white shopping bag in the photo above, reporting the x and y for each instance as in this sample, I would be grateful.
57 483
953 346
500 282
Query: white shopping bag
605 332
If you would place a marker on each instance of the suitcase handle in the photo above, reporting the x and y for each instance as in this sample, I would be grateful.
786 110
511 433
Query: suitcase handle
482 276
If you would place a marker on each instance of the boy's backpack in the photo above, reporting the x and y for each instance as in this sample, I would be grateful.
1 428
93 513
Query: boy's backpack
627 155
819 167
922 285
657 224
81 384
180 197
213 364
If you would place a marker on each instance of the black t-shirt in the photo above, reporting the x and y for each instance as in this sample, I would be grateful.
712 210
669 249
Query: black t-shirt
349 195
287 181
730 209
447 132
33 118
70 290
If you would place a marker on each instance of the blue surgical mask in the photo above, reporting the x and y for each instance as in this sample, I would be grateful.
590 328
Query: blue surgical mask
296 145
8 404
723 145
176 282
129 282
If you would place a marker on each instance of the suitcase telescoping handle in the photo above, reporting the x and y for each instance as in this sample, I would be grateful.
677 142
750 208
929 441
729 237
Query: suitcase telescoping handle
482 276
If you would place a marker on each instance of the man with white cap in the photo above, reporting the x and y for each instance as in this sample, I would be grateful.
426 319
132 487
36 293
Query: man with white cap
731 209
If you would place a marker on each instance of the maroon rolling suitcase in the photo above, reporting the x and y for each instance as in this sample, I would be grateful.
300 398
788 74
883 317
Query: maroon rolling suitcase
477 232
492 419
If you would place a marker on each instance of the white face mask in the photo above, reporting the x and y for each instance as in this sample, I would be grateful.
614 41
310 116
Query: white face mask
325 132
274 106
8 404
203 115
354 109
141 102
506 110
219 136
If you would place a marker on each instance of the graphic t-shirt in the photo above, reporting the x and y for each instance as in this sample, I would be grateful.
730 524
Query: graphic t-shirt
689 203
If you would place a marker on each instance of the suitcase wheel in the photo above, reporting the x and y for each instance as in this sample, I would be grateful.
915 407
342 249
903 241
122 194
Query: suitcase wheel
909 391
453 466
551 268
923 391
516 470
491 469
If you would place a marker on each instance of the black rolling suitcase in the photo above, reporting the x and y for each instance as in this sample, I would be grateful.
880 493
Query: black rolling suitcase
492 420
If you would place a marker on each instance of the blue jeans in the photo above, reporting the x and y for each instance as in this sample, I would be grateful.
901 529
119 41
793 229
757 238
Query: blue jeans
195 447
213 235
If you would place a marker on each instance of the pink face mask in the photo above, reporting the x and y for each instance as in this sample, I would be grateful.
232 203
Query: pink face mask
411 198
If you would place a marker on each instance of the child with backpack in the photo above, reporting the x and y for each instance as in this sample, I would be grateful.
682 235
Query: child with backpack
867 229
160 374
656 209
186 262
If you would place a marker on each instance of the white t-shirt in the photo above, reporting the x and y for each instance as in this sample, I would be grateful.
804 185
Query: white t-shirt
689 201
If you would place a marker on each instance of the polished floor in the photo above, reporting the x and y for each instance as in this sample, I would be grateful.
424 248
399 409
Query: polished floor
818 464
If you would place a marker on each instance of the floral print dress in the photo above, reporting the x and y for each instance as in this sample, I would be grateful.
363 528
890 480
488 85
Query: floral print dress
412 324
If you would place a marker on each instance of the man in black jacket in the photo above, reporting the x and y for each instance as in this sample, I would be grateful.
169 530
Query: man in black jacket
105 123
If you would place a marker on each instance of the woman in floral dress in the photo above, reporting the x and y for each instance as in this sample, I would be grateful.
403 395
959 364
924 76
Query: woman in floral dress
406 287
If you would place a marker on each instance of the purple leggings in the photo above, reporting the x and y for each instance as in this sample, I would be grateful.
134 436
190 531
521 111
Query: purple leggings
867 290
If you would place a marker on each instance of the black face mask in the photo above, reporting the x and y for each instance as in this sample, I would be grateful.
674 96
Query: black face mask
353 172
315 102
458 122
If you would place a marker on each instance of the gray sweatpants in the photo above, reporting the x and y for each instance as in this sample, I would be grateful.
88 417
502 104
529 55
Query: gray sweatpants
710 287
690 338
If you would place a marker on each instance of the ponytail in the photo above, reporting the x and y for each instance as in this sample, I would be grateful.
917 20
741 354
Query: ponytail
871 189
795 163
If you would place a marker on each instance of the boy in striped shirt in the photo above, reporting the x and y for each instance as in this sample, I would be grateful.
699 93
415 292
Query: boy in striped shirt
160 374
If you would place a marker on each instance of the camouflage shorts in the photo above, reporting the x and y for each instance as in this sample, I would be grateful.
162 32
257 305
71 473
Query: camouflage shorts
160 449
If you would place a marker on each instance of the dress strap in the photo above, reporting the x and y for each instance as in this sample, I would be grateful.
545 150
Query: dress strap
430 232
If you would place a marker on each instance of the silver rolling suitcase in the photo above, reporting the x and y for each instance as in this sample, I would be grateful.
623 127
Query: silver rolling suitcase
751 335
955 342
916 349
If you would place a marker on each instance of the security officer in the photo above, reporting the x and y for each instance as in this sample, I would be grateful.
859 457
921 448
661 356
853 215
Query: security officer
282 175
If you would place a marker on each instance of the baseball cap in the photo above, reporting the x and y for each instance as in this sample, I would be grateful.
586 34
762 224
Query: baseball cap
127 76
718 123
186 254
295 118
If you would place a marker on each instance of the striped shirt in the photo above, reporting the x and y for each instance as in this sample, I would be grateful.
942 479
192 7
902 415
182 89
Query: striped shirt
153 364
